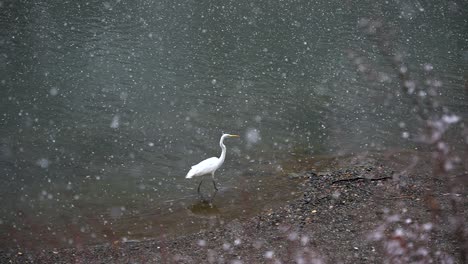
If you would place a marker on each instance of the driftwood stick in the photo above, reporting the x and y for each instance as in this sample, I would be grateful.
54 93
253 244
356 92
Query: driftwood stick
361 178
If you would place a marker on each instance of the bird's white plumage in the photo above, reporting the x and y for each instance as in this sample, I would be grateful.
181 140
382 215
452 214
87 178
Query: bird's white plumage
209 166
204 167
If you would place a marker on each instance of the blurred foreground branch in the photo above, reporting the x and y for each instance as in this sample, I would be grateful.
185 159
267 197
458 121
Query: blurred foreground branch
436 118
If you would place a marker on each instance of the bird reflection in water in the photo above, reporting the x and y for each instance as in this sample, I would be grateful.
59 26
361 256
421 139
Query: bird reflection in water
204 208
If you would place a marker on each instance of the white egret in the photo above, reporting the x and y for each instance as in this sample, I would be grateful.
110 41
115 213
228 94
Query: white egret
209 166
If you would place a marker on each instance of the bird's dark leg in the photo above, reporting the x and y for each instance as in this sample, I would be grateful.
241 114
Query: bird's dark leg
199 186
212 198
214 183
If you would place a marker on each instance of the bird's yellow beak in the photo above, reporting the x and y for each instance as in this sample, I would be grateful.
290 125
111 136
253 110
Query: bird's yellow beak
234 136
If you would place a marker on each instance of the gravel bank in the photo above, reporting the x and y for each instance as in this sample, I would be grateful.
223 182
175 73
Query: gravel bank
353 210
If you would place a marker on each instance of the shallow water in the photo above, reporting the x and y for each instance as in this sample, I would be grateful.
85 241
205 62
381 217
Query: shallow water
106 105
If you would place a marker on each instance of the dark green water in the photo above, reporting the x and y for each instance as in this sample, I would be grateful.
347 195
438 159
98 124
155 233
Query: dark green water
104 106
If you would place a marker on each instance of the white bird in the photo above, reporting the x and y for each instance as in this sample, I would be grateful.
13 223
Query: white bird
210 165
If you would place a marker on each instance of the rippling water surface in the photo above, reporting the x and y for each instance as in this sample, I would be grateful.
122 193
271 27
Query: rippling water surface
106 105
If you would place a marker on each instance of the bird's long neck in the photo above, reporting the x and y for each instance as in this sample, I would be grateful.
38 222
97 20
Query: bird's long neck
223 147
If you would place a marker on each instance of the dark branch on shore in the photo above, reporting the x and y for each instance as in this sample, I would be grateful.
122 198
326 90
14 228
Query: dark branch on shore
361 178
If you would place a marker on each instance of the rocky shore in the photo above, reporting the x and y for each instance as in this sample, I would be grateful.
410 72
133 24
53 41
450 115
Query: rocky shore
358 210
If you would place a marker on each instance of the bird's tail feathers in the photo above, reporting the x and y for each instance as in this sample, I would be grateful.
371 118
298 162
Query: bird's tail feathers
189 175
